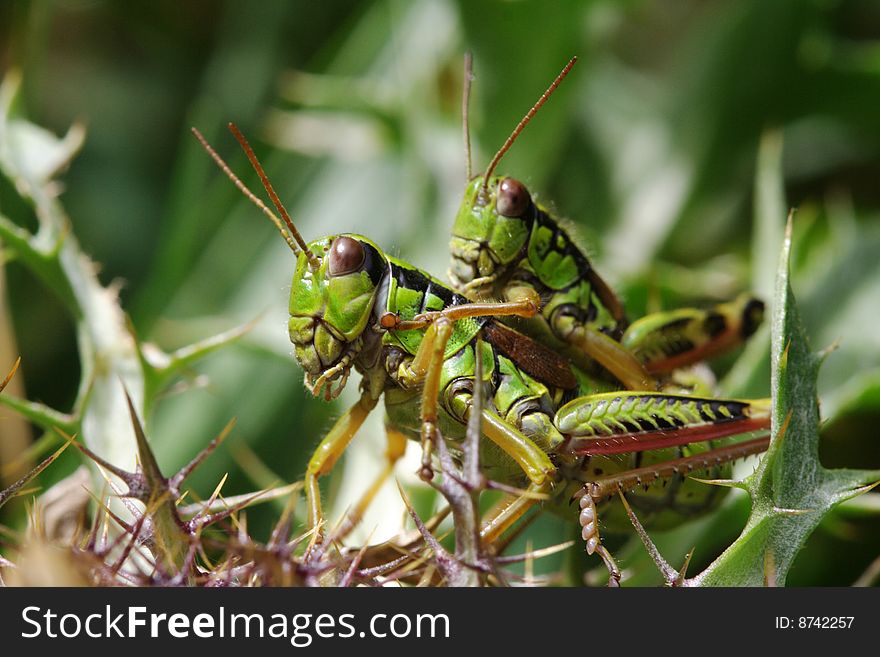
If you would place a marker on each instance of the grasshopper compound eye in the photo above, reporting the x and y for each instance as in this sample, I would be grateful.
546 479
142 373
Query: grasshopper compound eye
513 198
346 256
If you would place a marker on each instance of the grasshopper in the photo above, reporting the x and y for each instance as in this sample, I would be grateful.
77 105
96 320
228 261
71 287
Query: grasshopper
416 342
506 246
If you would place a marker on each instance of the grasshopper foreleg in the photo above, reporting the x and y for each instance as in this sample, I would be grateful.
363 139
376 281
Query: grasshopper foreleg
526 307
427 367
427 364
329 451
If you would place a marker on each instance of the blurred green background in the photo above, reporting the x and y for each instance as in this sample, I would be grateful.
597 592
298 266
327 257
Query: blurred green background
650 148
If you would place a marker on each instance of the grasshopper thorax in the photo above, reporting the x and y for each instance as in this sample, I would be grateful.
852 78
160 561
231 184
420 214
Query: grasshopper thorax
331 306
490 231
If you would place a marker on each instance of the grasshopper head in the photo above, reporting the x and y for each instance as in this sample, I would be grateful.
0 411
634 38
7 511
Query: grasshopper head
334 286
490 231
331 305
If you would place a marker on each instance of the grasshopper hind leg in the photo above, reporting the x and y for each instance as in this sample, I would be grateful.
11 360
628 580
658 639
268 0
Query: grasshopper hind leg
664 341
589 521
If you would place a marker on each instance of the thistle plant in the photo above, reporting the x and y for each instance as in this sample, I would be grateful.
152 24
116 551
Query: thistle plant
142 526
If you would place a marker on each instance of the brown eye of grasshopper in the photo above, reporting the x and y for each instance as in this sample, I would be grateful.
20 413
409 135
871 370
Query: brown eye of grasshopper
513 198
346 256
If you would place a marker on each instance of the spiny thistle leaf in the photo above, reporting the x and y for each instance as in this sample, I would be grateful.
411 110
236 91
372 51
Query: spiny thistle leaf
790 489
36 153
160 367
670 575
11 374
40 414
30 157
8 493
446 562
238 501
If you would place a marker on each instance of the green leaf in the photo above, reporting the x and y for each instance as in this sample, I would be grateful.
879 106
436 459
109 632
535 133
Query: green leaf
790 490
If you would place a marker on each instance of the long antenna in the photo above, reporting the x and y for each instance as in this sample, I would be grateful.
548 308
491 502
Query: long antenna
465 109
244 190
314 263
523 123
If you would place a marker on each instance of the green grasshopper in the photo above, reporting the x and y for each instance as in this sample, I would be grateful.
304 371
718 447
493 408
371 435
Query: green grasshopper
506 246
417 342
